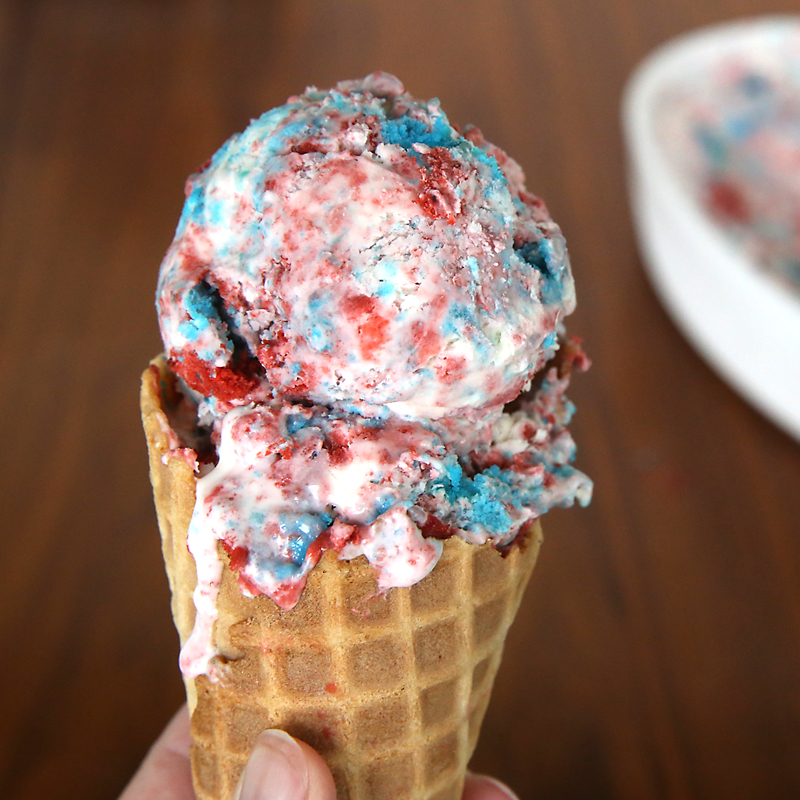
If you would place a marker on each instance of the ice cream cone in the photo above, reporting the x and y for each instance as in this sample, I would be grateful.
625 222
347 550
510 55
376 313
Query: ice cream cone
391 688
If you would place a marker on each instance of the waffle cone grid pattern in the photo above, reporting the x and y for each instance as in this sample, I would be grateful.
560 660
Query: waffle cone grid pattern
390 688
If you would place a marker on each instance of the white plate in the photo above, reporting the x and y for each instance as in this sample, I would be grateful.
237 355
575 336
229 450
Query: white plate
745 324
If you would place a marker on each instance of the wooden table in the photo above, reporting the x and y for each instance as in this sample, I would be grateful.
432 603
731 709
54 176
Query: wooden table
657 653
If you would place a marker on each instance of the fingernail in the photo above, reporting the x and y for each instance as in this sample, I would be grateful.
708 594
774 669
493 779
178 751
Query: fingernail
501 787
276 770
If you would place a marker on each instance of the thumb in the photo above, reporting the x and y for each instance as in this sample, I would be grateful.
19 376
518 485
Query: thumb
283 768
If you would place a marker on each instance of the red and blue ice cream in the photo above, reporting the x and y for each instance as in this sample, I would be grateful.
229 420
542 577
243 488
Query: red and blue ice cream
355 292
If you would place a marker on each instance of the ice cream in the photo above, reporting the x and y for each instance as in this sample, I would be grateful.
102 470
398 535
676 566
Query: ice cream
358 420
733 132
355 291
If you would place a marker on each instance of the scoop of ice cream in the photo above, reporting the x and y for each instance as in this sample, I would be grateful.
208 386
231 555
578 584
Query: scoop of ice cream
354 292
352 247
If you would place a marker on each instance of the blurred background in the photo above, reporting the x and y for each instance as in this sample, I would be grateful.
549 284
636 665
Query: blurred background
657 652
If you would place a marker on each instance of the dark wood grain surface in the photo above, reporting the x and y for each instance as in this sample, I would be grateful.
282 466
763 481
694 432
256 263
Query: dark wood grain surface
657 654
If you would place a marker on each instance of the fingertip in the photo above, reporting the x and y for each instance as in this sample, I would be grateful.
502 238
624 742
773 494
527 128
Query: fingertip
482 787
281 767
320 780
177 736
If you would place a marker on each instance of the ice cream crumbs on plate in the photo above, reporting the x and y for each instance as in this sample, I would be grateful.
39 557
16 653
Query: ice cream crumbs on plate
355 292
733 133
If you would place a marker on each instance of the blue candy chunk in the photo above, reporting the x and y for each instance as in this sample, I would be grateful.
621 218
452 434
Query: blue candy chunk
386 288
296 129
459 320
489 503
189 329
318 337
193 207
450 482
296 422
302 530
283 570
231 149
383 505
214 211
539 255
408 131
262 131
318 301
299 531
201 303
485 502
475 153
318 330
478 502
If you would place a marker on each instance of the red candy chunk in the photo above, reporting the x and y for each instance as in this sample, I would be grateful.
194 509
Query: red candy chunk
224 383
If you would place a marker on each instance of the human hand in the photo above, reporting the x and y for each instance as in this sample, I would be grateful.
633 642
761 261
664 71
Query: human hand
280 768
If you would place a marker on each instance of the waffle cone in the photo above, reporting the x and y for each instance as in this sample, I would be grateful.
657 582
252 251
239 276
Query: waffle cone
390 688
